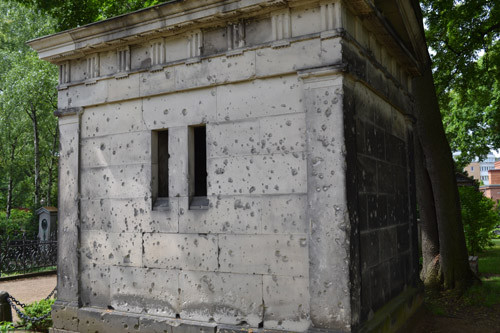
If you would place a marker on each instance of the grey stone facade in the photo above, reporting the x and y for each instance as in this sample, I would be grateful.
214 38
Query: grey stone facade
310 221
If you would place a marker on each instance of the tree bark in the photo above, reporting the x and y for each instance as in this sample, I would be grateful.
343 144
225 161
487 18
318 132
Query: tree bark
53 162
10 186
36 144
453 257
430 273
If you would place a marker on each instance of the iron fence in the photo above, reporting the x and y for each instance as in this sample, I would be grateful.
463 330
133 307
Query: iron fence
25 255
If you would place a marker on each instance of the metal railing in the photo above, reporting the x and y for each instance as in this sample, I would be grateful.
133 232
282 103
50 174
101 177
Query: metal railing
24 255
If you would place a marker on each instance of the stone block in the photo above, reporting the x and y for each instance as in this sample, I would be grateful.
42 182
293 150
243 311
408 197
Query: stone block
181 251
115 215
111 248
181 109
152 83
145 290
375 141
65 315
388 243
305 21
123 88
120 181
287 303
264 254
95 320
286 133
187 326
367 174
95 152
163 220
94 285
233 138
260 174
68 223
130 148
226 214
178 165
298 55
369 250
209 296
113 118
215 71
285 214
259 98
155 324
84 95
331 51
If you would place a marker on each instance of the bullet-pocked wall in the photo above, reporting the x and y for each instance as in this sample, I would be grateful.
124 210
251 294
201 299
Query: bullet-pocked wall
224 166
379 112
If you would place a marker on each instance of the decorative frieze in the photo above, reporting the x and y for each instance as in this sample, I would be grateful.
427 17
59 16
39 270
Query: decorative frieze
235 33
158 55
123 59
92 66
281 24
195 44
64 73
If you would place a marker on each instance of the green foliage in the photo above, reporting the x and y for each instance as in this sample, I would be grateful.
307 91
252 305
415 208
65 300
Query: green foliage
464 37
38 309
26 84
489 260
479 217
20 222
6 326
71 14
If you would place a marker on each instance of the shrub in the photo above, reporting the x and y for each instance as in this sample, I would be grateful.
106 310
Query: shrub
6 326
19 222
38 309
479 217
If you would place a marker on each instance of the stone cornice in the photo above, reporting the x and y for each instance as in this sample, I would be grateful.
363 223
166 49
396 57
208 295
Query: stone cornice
161 20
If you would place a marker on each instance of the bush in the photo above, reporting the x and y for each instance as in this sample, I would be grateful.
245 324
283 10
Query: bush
19 222
6 326
479 217
38 309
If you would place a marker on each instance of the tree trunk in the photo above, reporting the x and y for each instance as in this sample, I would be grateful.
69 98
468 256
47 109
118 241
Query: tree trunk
453 257
430 274
36 142
53 162
10 187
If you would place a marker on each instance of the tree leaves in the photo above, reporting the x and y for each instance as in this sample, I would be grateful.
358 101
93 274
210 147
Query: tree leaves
463 36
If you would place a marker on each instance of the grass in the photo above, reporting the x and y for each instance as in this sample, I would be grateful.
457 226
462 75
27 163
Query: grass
486 294
36 270
489 260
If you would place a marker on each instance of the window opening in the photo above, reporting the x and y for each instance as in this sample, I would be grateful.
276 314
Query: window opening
198 167
159 149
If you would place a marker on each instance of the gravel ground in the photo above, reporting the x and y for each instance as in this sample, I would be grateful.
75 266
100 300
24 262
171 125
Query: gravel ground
29 290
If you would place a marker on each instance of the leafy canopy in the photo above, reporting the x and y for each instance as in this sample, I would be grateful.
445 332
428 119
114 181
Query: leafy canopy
73 13
464 38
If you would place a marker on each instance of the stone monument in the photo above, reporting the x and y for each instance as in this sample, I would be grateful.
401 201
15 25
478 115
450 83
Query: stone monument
238 165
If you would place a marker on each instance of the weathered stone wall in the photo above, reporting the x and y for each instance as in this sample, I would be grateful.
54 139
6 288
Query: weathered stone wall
309 223
380 109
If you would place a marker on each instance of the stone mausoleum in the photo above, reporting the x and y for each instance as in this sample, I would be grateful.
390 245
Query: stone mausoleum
237 166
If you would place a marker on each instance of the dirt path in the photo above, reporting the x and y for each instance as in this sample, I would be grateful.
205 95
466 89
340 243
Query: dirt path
29 290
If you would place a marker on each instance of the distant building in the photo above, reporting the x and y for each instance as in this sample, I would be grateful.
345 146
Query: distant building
492 190
479 169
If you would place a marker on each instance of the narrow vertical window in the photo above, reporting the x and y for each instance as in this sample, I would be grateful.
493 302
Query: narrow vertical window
198 167
160 156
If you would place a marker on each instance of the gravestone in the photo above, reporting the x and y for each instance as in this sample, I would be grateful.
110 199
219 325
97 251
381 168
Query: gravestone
47 223
236 165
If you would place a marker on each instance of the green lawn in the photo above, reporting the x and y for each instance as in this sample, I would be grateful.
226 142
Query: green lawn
489 271
489 261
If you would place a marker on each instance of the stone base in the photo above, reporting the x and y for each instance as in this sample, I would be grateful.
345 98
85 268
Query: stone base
394 315
110 321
